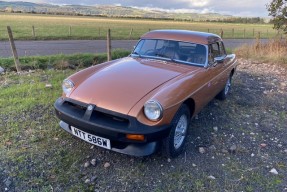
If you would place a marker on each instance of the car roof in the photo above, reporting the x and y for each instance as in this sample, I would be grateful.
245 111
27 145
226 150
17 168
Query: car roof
183 35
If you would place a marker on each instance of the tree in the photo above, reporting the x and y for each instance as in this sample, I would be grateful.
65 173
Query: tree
278 10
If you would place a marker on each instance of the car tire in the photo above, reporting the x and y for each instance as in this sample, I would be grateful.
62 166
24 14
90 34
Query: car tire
222 95
174 144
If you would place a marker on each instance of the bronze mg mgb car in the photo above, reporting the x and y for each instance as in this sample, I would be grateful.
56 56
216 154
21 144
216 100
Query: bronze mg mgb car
135 104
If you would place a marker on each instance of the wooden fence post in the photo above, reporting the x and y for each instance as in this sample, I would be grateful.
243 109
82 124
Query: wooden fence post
253 32
244 33
258 35
70 30
99 32
233 33
221 33
131 32
14 51
109 46
208 30
33 31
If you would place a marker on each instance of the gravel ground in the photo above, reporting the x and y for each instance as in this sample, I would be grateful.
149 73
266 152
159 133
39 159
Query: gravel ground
234 145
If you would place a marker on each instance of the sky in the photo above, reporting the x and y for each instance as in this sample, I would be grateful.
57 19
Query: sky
243 8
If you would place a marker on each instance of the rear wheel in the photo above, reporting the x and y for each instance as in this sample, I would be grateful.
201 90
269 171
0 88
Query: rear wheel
222 95
173 145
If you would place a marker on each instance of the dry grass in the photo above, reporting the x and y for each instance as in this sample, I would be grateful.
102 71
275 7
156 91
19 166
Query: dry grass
275 51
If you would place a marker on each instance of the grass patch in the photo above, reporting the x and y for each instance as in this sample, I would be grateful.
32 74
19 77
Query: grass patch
57 27
61 61
272 52
32 147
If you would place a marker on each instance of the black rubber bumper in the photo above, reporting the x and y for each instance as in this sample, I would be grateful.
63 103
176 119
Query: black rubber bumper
111 125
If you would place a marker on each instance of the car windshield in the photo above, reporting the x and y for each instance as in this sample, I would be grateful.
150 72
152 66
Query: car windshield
190 53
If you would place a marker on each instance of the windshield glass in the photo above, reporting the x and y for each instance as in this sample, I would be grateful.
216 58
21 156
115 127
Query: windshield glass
175 50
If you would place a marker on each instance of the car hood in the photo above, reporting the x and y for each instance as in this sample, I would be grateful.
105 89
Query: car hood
119 86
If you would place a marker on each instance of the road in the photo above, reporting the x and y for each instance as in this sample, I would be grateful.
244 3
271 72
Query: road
32 48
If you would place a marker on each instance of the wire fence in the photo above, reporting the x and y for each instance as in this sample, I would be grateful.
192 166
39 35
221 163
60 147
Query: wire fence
96 42
128 33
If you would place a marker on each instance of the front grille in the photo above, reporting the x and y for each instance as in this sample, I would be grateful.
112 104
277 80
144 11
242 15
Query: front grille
75 109
76 106
98 117
109 120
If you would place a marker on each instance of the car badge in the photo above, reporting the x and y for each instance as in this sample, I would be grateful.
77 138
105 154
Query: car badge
90 108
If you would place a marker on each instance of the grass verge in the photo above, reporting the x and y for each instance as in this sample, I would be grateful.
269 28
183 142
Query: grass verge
275 51
61 61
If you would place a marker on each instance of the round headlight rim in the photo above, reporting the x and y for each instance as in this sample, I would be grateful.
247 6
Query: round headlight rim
71 83
160 108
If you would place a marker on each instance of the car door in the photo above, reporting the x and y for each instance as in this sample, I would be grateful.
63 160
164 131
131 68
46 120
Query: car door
217 68
214 73
213 76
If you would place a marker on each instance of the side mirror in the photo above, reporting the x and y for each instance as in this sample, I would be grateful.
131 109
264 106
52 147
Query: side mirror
219 60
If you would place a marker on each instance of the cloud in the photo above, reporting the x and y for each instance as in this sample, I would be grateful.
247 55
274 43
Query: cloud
196 3
32 1
204 10
240 8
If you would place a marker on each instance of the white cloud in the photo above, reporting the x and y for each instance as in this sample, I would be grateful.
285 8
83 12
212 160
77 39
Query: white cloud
196 3
205 10
243 8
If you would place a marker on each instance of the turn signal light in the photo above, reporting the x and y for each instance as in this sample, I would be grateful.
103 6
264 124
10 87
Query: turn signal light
135 137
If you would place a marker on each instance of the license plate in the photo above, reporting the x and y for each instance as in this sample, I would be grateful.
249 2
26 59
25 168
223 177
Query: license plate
93 139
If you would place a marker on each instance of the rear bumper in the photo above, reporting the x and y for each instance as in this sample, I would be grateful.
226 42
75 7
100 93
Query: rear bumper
110 125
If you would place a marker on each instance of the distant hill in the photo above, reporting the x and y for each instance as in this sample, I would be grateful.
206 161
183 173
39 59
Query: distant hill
105 11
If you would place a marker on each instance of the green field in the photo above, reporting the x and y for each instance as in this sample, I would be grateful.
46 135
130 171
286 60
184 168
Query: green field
58 27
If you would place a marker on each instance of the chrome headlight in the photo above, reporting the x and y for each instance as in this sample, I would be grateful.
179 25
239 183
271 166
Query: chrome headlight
67 86
153 110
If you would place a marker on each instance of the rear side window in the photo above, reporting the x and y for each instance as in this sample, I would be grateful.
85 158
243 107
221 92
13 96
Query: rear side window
221 49
215 50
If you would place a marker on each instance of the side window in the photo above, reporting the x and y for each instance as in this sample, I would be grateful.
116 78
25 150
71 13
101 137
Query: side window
210 55
221 49
215 50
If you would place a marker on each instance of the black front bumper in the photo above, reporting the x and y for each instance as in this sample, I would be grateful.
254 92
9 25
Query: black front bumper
110 125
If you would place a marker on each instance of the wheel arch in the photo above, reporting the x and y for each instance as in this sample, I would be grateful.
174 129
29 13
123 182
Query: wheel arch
232 72
191 105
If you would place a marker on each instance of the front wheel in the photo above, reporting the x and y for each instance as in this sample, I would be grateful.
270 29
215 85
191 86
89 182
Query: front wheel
222 95
173 145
